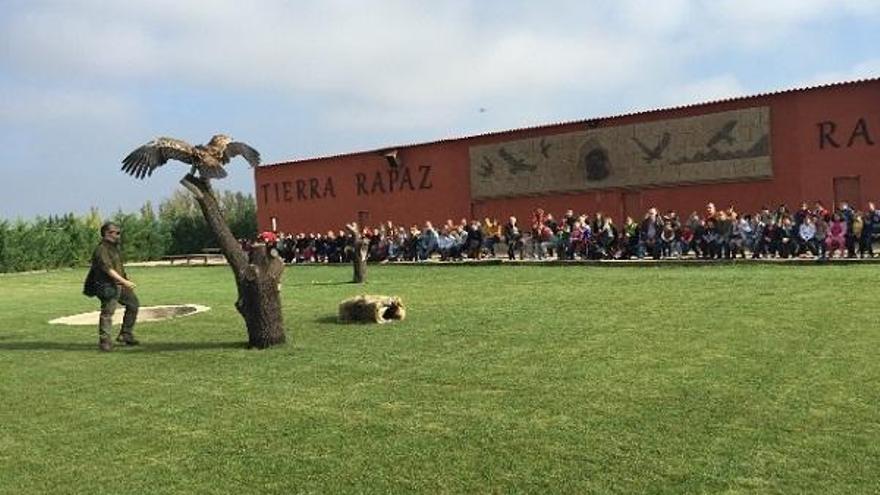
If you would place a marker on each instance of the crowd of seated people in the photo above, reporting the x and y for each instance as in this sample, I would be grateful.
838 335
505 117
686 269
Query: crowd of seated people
810 231
807 232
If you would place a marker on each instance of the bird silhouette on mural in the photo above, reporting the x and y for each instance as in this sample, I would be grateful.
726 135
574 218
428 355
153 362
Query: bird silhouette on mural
487 168
723 134
515 164
545 148
208 159
655 153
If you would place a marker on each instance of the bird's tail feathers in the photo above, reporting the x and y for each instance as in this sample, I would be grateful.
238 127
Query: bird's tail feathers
212 172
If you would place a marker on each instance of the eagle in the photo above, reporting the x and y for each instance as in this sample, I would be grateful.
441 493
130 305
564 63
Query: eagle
207 159
657 152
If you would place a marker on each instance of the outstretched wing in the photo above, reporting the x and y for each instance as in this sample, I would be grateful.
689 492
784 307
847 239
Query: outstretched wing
237 148
647 151
664 142
144 160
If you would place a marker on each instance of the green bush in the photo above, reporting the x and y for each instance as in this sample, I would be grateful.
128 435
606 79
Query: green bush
68 240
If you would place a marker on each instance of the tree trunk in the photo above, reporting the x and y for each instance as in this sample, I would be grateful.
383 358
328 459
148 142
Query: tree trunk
359 259
258 279
360 247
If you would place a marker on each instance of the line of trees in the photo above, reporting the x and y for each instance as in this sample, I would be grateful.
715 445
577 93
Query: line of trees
68 240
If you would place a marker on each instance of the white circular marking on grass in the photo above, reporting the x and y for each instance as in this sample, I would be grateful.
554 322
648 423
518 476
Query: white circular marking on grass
145 314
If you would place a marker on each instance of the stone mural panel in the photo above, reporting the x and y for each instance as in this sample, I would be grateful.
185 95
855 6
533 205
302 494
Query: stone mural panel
723 146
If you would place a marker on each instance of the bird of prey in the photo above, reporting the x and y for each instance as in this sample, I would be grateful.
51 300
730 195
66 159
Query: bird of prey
657 152
723 134
207 159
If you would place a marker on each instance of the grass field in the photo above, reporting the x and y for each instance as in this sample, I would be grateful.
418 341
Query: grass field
731 378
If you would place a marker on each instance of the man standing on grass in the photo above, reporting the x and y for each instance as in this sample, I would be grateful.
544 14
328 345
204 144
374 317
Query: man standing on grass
107 280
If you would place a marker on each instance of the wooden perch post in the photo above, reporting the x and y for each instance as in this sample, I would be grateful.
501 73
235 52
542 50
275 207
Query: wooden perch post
360 247
258 278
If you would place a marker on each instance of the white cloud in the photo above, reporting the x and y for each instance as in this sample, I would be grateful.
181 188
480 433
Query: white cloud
656 17
714 88
402 52
761 25
778 12
59 44
864 70
402 63
392 49
788 12
57 107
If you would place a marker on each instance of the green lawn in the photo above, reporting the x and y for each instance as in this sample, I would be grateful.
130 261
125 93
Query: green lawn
503 379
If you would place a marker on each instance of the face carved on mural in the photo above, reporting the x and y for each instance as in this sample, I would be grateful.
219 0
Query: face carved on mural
596 164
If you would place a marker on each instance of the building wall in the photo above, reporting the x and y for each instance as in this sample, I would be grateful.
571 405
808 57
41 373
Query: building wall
430 184
817 135
854 114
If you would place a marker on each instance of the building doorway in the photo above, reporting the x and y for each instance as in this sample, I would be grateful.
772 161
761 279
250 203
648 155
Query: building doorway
363 218
848 189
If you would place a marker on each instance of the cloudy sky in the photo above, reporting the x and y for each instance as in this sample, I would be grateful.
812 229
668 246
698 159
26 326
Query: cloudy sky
83 82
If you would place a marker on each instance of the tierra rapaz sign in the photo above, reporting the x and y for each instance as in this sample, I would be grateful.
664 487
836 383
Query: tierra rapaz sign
381 182
832 135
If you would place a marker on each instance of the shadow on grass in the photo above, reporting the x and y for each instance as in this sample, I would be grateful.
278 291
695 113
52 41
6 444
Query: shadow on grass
144 347
327 319
315 282
334 320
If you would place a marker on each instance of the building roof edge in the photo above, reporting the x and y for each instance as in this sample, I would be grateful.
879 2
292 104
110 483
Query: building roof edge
797 89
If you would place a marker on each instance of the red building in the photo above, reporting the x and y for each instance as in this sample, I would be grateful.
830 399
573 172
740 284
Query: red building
820 143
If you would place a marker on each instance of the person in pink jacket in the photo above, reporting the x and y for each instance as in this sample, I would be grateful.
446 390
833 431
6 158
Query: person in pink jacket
836 237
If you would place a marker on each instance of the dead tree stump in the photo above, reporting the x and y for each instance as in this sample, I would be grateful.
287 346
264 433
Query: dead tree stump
258 278
360 248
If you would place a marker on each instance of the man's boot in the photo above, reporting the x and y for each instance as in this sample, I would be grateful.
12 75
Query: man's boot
104 345
126 338
126 332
